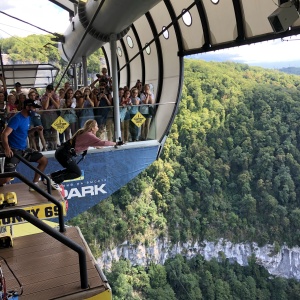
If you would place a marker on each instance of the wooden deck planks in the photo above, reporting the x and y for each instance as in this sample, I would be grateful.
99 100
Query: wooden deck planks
46 268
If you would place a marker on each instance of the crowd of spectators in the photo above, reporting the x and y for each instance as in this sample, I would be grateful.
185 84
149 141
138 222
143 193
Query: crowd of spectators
77 106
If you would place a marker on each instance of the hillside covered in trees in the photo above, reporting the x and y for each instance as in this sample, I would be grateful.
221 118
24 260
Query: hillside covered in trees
230 168
41 49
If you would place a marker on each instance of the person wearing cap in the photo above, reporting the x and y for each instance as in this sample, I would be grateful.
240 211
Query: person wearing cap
14 140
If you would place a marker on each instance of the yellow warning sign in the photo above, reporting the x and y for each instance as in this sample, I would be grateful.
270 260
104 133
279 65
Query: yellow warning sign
138 119
60 124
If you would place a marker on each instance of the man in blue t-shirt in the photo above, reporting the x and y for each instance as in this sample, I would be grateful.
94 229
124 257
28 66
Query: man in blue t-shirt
14 140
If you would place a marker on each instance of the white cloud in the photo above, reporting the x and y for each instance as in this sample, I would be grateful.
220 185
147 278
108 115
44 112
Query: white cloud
267 54
41 13
269 51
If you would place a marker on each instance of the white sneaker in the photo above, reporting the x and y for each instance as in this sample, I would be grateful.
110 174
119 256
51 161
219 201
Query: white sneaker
55 186
32 189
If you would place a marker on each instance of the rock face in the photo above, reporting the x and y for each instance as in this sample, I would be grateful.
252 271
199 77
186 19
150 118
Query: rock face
285 263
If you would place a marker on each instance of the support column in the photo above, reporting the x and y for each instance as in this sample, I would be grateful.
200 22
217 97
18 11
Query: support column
115 85
79 79
84 71
75 80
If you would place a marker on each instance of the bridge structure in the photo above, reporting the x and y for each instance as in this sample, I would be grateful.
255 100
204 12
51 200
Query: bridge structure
145 40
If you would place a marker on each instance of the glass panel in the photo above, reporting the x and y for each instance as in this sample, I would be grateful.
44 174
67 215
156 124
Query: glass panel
148 49
137 122
165 32
129 41
186 18
119 51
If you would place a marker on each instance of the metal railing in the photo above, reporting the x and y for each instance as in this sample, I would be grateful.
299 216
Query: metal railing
43 226
55 234
43 193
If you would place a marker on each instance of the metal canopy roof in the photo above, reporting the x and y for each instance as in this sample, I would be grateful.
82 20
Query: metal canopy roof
30 75
66 4
215 24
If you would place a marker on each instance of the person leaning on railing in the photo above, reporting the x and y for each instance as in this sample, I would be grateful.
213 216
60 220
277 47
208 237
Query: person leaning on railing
78 145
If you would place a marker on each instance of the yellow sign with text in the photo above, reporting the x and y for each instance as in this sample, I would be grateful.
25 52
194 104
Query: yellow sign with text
138 119
41 211
60 124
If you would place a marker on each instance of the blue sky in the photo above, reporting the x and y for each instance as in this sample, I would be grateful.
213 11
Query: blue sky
43 13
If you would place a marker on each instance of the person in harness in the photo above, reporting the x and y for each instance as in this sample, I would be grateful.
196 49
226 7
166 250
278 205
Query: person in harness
78 144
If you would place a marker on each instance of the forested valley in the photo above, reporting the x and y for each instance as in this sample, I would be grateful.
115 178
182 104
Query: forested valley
230 169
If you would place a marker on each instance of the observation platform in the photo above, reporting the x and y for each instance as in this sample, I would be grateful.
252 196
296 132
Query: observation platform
53 264
40 267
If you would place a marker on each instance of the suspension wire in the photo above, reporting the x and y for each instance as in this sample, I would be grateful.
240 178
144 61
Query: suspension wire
159 34
26 22
16 27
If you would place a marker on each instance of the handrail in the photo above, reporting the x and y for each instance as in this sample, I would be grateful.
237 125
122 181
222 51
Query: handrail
95 107
55 234
43 193
33 168
26 162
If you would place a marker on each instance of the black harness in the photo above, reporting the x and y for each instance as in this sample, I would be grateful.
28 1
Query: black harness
69 147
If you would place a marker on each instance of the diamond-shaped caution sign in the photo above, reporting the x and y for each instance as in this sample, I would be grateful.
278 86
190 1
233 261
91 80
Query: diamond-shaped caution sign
60 124
138 119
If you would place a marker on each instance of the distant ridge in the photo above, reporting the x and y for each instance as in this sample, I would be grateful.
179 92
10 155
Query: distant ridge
290 70
225 57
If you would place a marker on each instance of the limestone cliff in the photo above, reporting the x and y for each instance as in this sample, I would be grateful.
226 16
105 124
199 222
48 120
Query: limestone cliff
285 263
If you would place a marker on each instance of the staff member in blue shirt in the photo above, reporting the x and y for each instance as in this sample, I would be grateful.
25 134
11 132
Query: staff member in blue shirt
14 140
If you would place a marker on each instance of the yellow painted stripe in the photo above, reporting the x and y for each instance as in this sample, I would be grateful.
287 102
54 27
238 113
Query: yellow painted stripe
28 229
106 295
